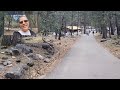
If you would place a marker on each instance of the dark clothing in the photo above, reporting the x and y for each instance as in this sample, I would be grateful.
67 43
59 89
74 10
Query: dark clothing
17 37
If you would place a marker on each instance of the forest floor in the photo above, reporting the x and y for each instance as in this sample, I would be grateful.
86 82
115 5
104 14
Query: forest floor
40 67
110 44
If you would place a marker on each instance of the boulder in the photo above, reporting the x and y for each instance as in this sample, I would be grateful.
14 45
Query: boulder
13 57
45 46
46 53
35 56
16 72
2 52
48 47
8 52
18 60
7 63
15 52
46 60
1 67
40 56
24 48
48 56
4 58
30 63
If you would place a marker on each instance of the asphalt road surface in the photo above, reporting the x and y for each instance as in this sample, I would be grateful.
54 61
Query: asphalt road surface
87 60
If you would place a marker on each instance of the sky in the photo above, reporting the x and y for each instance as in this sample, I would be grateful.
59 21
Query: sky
16 17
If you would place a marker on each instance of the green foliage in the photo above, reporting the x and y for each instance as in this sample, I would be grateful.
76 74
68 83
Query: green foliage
50 21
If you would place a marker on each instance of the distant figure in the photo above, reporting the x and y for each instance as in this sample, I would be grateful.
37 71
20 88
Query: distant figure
87 32
93 32
25 30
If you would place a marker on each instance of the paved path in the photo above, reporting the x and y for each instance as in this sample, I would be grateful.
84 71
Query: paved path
87 60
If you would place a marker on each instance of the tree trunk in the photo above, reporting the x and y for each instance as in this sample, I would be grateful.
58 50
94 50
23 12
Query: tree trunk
28 15
56 32
111 28
104 32
61 29
78 22
110 25
72 24
84 28
47 27
109 32
101 31
77 32
117 26
84 24
6 40
59 37
9 23
38 21
1 23
65 31
71 32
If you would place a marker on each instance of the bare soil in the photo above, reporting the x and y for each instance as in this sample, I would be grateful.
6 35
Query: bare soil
110 45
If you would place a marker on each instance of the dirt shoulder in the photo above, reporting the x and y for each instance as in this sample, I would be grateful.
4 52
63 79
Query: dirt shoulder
109 45
40 67
63 46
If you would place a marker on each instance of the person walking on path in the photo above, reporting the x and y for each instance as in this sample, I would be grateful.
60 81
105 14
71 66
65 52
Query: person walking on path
25 30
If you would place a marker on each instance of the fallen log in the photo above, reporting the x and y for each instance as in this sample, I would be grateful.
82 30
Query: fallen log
103 40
